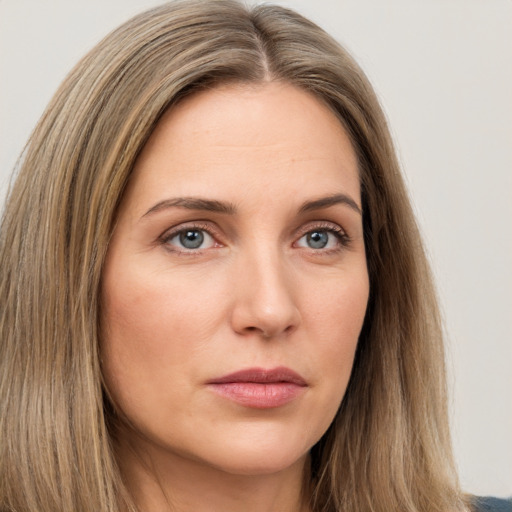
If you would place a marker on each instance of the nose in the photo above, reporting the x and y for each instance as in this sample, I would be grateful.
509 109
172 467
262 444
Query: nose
265 298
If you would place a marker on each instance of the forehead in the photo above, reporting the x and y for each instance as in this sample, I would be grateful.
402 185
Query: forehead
236 137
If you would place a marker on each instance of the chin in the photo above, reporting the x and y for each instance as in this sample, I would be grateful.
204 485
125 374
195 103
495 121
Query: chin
258 457
260 464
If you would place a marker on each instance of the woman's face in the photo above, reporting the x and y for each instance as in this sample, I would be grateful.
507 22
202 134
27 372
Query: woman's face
235 285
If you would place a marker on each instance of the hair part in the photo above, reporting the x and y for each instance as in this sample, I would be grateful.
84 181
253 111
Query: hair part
389 445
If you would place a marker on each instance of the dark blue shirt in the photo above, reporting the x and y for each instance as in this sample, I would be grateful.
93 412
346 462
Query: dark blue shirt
488 504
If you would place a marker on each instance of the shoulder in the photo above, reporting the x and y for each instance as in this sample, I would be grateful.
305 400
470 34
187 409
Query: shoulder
489 504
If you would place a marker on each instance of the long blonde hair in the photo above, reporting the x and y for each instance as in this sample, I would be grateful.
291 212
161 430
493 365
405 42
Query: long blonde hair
389 446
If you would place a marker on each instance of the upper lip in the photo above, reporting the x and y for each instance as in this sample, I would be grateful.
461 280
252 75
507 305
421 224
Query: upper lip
262 376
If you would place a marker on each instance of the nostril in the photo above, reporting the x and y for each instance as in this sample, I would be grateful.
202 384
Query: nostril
267 334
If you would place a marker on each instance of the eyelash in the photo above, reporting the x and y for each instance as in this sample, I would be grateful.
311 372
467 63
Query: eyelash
341 236
169 235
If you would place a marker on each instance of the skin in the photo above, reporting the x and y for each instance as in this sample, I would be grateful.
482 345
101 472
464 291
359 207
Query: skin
258 292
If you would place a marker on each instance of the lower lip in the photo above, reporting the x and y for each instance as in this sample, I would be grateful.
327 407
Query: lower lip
259 395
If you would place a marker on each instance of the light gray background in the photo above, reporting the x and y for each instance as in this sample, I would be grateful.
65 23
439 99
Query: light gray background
443 70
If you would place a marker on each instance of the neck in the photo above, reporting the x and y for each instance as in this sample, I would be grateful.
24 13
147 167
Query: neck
171 483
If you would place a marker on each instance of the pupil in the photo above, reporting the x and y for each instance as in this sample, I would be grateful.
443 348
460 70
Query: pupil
191 239
317 239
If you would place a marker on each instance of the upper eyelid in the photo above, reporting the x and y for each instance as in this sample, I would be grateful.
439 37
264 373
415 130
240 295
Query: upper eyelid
165 238
184 226
322 225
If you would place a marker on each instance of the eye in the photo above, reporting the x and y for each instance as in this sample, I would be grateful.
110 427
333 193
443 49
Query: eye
322 239
191 239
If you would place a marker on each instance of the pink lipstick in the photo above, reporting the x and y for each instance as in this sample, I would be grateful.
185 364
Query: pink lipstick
259 388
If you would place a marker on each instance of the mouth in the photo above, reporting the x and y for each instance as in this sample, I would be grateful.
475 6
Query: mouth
259 388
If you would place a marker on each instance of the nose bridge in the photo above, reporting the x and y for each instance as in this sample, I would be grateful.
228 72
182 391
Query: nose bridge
265 298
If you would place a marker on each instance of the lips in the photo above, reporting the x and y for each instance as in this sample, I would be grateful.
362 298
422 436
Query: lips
260 388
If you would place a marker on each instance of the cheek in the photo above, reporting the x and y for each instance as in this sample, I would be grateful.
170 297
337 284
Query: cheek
137 328
336 316
155 324
337 309
153 309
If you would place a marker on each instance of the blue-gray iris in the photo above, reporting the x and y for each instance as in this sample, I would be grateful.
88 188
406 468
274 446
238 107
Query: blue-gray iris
191 239
317 239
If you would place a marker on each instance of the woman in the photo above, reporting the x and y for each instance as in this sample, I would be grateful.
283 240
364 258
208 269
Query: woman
214 292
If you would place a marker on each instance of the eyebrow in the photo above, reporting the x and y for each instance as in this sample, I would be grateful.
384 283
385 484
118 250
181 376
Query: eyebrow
193 203
211 205
325 202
